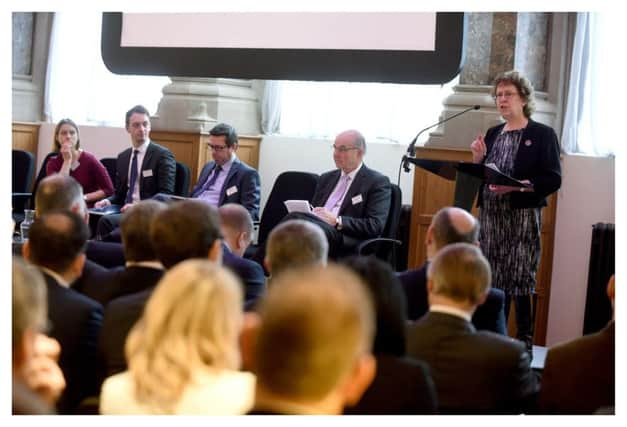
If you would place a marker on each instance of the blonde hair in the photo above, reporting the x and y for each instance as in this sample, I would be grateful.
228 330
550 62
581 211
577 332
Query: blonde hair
193 319
30 306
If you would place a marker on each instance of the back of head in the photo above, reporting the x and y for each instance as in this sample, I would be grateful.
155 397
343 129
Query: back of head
235 220
56 239
59 192
184 230
454 225
294 244
29 305
321 320
192 320
135 229
389 302
223 129
460 272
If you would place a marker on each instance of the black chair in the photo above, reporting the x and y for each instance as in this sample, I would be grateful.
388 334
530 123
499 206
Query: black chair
181 181
111 165
23 166
29 198
384 247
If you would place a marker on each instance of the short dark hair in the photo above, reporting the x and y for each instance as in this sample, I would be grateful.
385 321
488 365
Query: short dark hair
186 229
55 240
135 229
389 302
139 109
222 129
57 192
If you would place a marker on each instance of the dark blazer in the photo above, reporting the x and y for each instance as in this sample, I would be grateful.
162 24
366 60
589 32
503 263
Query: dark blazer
157 159
361 219
474 371
489 316
76 321
250 273
121 281
241 176
402 386
106 254
579 376
537 159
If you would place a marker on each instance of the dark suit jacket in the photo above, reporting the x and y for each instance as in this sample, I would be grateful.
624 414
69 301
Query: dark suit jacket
489 316
537 159
242 177
361 219
76 322
159 160
250 273
121 281
474 372
579 375
402 386
107 254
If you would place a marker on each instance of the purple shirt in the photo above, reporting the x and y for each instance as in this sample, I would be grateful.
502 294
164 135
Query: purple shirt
90 173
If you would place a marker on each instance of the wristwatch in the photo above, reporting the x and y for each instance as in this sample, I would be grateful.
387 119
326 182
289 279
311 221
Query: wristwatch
338 223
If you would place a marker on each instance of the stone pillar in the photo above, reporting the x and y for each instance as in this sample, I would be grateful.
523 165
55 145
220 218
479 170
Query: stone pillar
197 104
495 42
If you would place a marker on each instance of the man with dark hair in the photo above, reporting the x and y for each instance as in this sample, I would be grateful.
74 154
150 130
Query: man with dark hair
474 371
226 179
237 229
451 225
56 245
143 170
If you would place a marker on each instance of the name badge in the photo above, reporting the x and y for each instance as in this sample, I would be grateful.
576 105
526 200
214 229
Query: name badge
146 173
357 199
231 190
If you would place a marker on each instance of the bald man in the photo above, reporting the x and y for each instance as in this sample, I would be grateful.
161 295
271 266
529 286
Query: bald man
451 225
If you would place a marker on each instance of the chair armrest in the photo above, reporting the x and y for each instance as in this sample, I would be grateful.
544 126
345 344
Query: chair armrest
366 243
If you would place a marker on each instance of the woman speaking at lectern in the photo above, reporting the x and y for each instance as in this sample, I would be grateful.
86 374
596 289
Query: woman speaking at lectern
510 217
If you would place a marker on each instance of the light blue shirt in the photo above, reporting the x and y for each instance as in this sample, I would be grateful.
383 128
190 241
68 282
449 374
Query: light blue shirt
212 195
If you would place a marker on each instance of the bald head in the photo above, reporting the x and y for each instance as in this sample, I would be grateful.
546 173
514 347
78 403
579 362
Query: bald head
451 225
59 192
237 227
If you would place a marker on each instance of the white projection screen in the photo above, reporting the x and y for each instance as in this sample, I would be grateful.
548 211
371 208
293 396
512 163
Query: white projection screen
400 47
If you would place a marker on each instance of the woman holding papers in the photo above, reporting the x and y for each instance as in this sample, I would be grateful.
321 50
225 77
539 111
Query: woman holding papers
72 160
510 217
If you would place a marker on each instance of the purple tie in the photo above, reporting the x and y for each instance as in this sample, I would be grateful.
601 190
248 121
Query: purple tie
333 203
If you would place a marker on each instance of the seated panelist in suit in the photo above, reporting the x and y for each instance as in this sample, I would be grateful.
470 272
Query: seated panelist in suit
143 170
226 179
451 225
351 203
475 372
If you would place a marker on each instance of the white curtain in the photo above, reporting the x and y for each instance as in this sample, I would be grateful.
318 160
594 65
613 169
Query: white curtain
79 86
590 119
381 111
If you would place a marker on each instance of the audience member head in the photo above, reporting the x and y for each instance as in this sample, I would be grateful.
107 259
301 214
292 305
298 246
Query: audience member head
322 321
138 125
611 292
191 321
389 302
295 243
57 241
65 126
349 149
135 230
60 192
237 227
459 275
451 225
184 230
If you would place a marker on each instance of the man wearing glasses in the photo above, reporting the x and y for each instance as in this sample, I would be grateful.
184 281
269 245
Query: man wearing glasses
226 179
353 201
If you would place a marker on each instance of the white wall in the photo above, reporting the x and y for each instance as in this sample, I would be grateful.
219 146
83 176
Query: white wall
587 196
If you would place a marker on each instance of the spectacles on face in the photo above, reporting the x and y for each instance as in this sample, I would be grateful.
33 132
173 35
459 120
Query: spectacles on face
343 149
505 95
217 147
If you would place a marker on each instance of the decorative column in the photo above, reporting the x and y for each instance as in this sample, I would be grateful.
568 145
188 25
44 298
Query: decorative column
197 104
495 42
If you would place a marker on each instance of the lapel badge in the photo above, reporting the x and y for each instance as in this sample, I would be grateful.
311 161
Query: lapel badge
528 143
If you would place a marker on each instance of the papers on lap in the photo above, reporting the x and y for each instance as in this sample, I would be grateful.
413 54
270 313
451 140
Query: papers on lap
297 206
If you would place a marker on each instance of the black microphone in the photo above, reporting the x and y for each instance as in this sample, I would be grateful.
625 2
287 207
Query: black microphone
411 150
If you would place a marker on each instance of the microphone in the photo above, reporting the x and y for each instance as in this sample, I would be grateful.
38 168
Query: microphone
411 150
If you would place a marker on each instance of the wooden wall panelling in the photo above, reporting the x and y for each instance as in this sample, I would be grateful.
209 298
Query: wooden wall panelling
25 136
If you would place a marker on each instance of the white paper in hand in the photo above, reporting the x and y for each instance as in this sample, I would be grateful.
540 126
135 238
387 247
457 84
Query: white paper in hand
297 206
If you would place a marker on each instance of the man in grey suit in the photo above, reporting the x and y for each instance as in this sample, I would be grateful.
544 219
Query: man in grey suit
474 371
351 202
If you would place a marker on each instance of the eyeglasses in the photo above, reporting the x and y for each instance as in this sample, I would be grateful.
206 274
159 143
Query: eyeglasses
343 149
506 95
217 147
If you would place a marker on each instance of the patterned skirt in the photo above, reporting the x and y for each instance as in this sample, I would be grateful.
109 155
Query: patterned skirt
510 240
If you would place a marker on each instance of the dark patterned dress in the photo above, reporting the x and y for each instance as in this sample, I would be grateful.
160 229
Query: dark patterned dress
509 238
